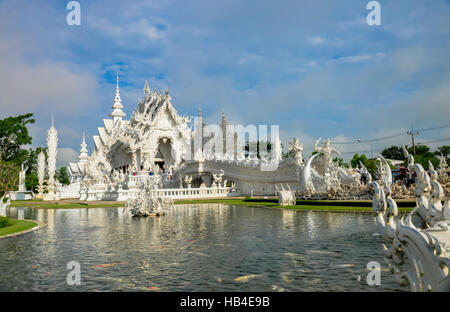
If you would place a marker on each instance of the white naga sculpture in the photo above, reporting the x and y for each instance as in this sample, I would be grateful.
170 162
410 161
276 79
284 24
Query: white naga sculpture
384 170
364 172
4 205
417 245
285 197
52 151
217 177
305 175
148 202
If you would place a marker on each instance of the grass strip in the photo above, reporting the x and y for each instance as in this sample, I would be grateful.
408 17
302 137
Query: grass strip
16 226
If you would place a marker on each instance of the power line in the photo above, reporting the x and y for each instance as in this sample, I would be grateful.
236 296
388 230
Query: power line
373 140
439 140
434 128
393 136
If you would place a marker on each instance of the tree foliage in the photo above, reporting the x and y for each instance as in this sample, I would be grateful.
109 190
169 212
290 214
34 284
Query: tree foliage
63 176
393 152
340 162
423 155
443 150
32 181
13 135
257 146
9 176
370 164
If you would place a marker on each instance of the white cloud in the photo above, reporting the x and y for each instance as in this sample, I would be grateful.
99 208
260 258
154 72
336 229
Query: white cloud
43 86
356 58
65 154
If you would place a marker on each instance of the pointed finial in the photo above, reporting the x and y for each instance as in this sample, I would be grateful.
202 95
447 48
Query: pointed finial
199 111
52 122
146 88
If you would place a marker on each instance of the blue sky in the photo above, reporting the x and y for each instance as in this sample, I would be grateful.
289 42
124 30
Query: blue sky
313 67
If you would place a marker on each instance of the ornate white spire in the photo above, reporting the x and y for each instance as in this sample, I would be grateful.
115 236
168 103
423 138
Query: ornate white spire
52 151
146 88
224 120
117 112
41 173
83 151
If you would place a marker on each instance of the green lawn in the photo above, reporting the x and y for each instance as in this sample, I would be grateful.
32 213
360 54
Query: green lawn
16 226
42 204
312 205
270 203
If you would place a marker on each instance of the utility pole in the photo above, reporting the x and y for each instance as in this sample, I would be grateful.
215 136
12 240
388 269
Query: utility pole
412 133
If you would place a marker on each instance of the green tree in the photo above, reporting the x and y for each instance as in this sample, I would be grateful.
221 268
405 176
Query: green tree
423 155
9 176
340 161
443 150
256 145
393 152
13 135
63 176
31 181
370 164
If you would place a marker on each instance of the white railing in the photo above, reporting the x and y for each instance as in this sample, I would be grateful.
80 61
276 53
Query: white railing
195 192
181 193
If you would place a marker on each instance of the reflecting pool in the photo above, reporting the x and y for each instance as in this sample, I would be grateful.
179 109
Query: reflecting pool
207 247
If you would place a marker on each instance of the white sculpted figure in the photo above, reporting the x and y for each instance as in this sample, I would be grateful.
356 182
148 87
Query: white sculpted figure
217 177
365 173
306 184
416 245
295 151
148 202
3 206
384 170
285 197
22 175
188 181
442 164
326 150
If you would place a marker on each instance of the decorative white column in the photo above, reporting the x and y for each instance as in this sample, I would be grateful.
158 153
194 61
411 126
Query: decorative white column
22 176
41 173
52 144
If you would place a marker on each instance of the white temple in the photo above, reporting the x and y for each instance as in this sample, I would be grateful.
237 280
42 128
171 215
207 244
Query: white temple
157 139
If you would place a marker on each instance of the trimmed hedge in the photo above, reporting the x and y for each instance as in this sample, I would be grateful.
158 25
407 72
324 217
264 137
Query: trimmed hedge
348 203
4 222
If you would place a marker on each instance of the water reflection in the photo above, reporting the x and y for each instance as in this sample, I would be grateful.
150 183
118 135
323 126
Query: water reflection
194 248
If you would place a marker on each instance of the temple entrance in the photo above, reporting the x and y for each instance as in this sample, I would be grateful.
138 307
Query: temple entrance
163 158
160 164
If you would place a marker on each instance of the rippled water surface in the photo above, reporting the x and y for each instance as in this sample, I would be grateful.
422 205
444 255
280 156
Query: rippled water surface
194 248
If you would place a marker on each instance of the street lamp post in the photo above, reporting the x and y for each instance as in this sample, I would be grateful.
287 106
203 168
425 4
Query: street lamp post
371 147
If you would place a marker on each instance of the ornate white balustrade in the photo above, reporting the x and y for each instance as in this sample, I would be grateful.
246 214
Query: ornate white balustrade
181 193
